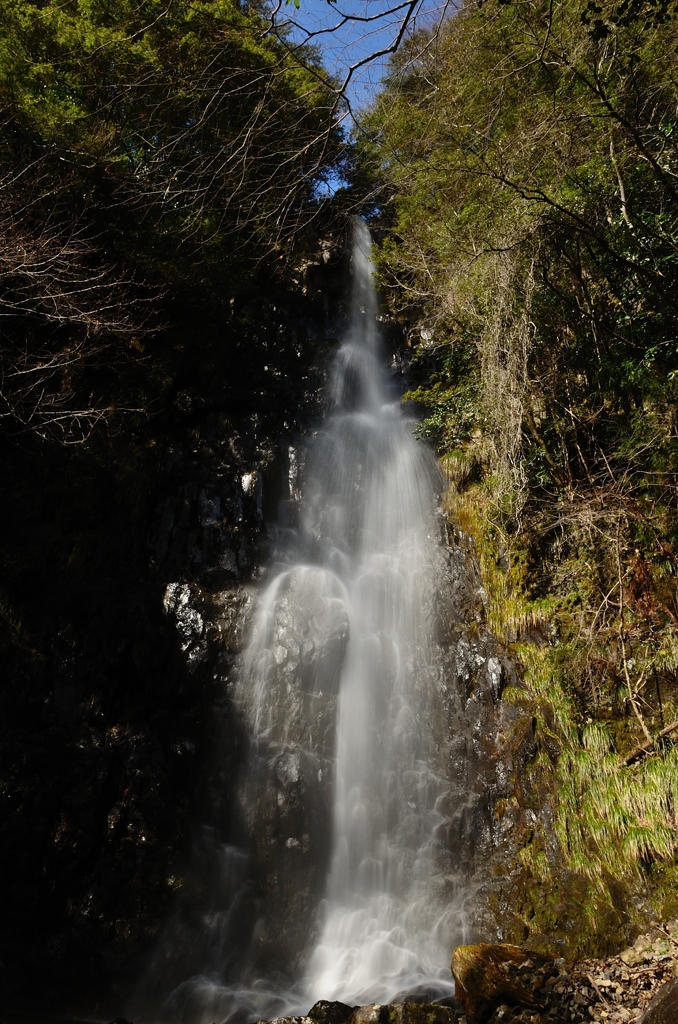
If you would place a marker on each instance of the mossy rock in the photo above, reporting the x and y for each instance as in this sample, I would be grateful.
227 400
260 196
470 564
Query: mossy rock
404 1013
421 1013
288 1020
489 974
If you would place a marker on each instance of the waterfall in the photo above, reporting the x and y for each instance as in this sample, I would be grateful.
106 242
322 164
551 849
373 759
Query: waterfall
364 550
343 695
375 484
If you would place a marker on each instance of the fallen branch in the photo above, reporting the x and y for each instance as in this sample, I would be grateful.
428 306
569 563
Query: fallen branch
645 748
600 994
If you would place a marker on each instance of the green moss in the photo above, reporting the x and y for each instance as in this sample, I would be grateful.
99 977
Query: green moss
614 823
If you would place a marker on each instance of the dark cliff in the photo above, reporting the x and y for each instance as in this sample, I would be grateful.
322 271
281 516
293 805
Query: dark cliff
108 722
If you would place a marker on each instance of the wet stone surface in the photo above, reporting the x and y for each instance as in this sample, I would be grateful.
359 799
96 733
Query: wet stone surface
325 1012
330 1012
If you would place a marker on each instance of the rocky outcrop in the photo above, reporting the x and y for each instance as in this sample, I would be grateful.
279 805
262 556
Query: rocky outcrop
404 1013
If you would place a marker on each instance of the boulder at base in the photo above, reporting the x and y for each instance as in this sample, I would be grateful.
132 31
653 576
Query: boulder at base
403 1013
664 1007
288 1020
489 974
327 1011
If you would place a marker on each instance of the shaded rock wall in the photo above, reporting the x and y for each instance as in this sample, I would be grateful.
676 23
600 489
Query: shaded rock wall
126 566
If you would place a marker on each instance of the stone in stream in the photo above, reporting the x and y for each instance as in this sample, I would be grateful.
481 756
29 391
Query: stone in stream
373 1013
664 1007
288 1020
421 1013
330 1012
325 1012
489 974
404 1013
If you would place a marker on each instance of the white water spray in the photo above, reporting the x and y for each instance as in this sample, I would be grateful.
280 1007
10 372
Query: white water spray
366 536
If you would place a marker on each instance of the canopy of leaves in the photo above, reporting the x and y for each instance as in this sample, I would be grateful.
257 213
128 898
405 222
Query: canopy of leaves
145 147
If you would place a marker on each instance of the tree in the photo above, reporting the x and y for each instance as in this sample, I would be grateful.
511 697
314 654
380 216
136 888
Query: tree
144 142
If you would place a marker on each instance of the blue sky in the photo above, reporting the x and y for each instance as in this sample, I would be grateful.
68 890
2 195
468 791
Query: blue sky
355 40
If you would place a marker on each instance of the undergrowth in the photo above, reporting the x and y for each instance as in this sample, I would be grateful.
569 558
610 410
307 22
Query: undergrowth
589 619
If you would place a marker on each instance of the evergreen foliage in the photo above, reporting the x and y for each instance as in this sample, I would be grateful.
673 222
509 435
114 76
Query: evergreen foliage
527 156
151 155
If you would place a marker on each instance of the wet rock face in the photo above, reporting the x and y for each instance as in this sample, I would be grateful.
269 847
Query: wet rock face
271 796
287 788
288 824
298 669
476 765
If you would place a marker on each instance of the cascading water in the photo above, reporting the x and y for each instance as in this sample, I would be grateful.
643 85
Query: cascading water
375 484
342 693
364 549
